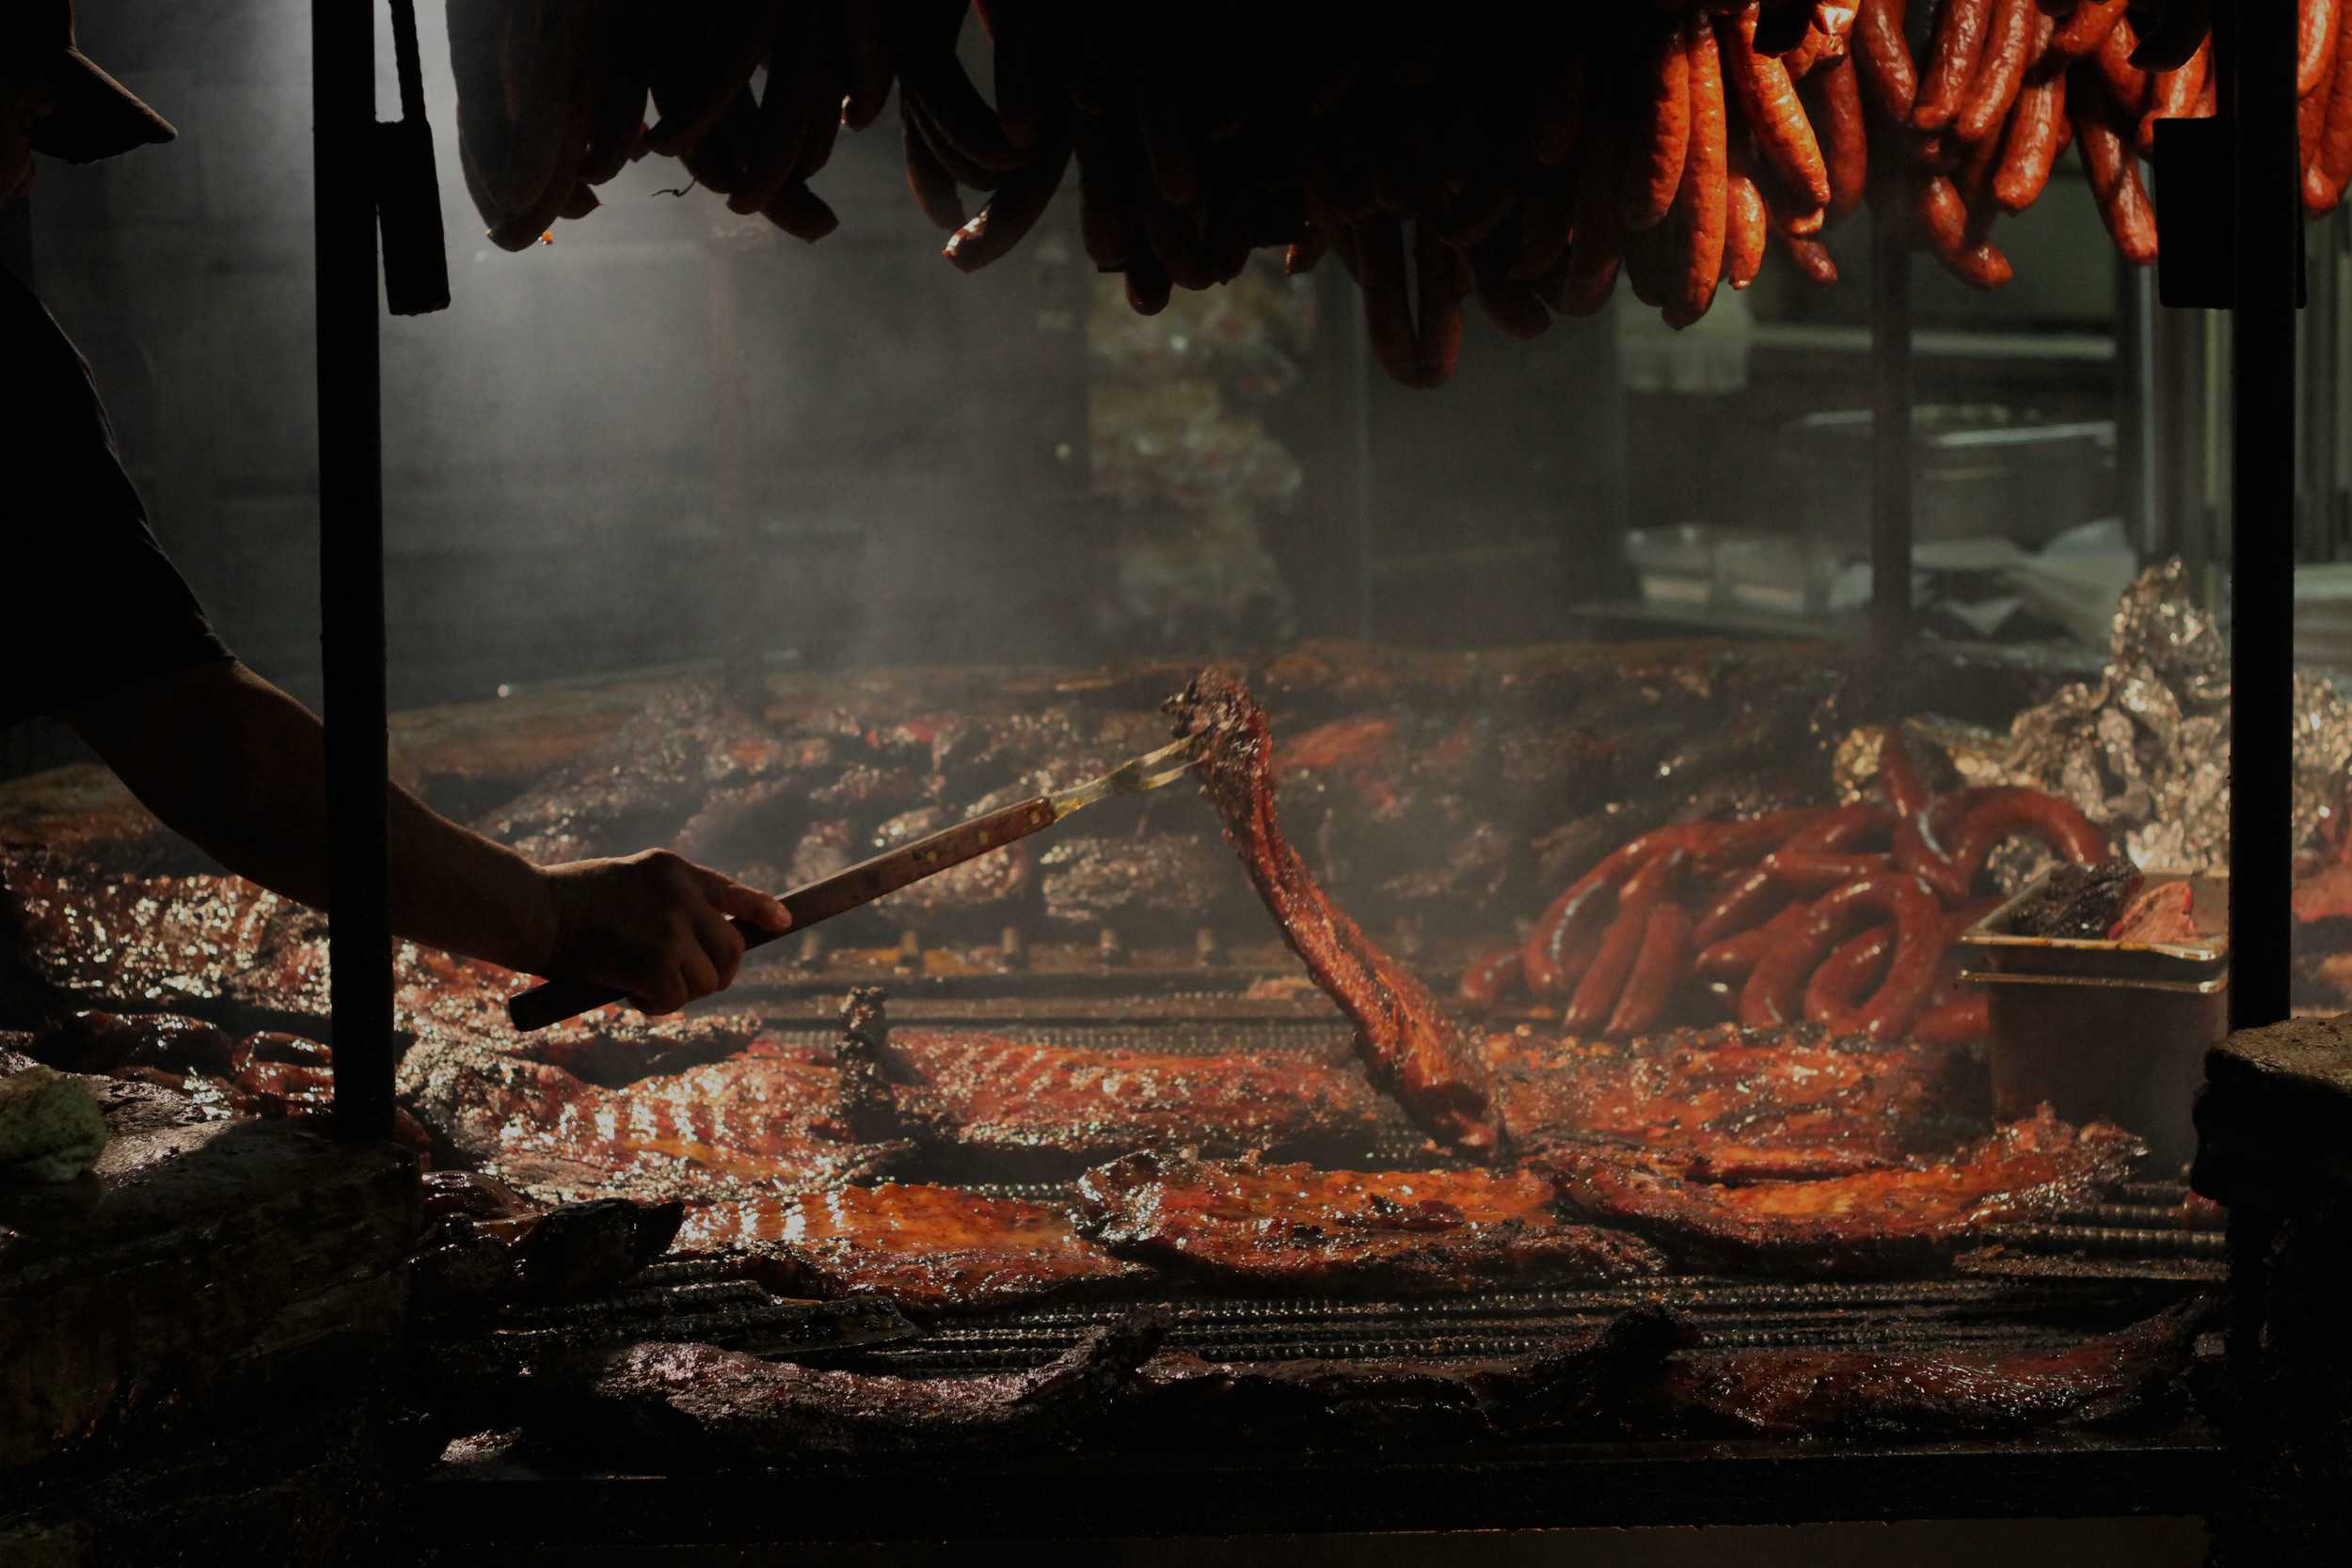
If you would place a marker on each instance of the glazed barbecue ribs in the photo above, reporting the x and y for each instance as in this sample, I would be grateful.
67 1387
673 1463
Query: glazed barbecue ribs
930 1250
1792 1103
1295 1228
1957 1392
1410 1045
762 1118
1012 1109
1904 1214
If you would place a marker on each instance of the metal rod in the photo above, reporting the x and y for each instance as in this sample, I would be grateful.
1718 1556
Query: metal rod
351 563
2257 45
1891 399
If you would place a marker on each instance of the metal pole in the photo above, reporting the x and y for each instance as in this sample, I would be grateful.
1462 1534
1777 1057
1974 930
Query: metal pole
351 563
2256 42
1891 398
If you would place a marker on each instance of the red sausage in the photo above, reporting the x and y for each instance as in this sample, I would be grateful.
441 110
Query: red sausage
1734 958
1848 972
1958 1020
1489 979
1899 775
1665 947
1960 39
1598 992
1739 907
1774 993
1885 56
2006 813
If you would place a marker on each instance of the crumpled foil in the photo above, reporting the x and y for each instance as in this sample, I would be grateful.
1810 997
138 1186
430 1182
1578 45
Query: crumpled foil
2144 750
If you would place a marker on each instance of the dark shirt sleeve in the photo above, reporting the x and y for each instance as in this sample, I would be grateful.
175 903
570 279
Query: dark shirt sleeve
97 606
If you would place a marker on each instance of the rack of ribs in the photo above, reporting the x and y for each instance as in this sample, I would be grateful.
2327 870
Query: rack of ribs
1021 1109
1580 1385
1295 1228
1792 1100
1410 1045
1959 1393
701 1406
930 1250
1915 1212
757 1119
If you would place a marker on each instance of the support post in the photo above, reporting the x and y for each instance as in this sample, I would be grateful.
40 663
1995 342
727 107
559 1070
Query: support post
2255 45
351 563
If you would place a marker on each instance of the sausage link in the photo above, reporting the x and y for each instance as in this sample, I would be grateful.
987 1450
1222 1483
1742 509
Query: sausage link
1603 982
2003 814
1744 234
2174 95
1774 993
1490 979
1884 54
1811 257
1961 1018
2036 129
2315 46
1442 283
2087 27
1834 94
1011 211
1960 39
1388 316
2128 85
1661 134
2331 170
2001 73
1846 977
2114 171
1774 113
1659 968
1702 211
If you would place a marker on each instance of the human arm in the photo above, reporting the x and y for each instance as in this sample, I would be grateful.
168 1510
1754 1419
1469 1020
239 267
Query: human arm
239 766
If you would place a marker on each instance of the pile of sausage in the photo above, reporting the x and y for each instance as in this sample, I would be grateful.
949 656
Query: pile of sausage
1524 164
1845 915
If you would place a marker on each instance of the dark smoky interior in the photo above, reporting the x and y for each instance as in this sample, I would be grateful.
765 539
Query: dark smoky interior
1667 930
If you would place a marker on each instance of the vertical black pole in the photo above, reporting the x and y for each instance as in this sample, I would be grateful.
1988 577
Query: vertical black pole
1891 395
2256 43
351 562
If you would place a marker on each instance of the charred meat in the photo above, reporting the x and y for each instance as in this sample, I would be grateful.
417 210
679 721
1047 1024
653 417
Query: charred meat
928 1249
1932 1393
1411 1044
703 1407
1295 1228
1911 1213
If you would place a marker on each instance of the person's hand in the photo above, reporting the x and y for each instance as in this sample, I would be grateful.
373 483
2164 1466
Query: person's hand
654 924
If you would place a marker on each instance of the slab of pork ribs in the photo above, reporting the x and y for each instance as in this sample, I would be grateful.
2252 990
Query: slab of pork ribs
1870 1221
763 1116
1923 1393
699 1407
1581 1386
1790 1103
1016 1109
1410 1045
928 1249
1295 1228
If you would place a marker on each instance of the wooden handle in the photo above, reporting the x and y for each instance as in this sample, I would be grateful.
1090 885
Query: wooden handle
820 901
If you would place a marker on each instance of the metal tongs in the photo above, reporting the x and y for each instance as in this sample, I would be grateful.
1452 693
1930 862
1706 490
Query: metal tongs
557 999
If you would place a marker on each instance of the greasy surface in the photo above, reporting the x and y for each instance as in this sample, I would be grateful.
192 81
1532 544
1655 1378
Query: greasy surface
1930 1393
1296 1228
697 1405
1795 1097
761 1118
1411 1044
1908 1215
1010 1102
69 932
928 1249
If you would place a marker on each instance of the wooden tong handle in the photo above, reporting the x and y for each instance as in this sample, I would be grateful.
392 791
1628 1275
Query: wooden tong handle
554 1001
